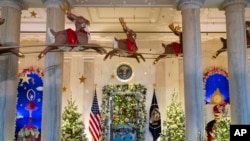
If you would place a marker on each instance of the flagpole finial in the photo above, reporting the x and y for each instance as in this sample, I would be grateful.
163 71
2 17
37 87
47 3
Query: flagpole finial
154 85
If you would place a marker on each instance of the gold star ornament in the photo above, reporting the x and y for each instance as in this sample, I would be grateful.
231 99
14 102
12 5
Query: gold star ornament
112 76
82 79
33 14
64 89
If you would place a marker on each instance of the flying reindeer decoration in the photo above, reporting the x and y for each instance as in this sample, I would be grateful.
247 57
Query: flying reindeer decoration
174 47
77 39
125 47
3 49
224 41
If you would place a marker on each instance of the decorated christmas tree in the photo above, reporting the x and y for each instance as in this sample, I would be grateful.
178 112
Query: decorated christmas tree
174 125
222 128
72 126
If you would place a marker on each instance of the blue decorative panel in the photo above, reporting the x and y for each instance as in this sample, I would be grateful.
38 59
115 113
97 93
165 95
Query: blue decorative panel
29 99
216 82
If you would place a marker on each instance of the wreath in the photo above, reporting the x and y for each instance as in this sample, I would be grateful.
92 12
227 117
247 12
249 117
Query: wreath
128 108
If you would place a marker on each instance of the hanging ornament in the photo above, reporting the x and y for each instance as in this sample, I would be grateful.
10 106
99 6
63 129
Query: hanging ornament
82 79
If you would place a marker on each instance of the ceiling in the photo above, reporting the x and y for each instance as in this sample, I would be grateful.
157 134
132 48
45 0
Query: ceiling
149 18
120 3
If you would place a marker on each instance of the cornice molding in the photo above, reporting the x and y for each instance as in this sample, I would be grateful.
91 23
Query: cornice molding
189 4
227 3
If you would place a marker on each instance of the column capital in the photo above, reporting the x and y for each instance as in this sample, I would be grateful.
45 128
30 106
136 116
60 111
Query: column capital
227 3
52 3
189 4
18 4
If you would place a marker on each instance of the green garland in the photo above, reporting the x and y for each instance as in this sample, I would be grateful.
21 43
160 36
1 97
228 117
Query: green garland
127 99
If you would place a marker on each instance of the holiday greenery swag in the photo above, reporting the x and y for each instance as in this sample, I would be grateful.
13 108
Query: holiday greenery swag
72 126
128 108
174 125
222 128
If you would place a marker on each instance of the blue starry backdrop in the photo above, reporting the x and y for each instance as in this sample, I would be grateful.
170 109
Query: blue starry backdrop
29 100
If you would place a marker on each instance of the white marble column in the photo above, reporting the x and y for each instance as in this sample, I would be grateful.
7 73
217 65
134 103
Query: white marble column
10 35
237 61
194 101
53 78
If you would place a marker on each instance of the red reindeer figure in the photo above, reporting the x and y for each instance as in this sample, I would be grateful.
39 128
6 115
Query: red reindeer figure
6 49
125 47
224 41
174 47
79 36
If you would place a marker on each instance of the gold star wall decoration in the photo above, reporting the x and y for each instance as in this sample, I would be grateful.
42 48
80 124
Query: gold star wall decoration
64 89
82 79
112 76
33 14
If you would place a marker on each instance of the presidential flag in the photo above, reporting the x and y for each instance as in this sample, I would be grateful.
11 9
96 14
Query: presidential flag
154 119
95 120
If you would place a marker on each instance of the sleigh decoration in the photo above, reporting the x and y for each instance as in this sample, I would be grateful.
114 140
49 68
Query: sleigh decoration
224 41
72 40
125 47
174 47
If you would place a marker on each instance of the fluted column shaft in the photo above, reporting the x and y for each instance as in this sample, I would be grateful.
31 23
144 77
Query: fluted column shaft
10 35
194 101
237 61
53 78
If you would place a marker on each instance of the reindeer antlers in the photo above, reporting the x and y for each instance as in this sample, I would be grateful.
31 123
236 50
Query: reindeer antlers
174 28
65 6
122 22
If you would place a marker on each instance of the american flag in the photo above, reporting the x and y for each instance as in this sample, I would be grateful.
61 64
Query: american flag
94 121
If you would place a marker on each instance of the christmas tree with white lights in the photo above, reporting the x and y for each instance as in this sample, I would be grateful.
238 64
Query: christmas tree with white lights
72 126
222 128
174 125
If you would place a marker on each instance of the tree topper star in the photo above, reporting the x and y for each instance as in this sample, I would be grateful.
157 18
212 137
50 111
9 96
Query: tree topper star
82 79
